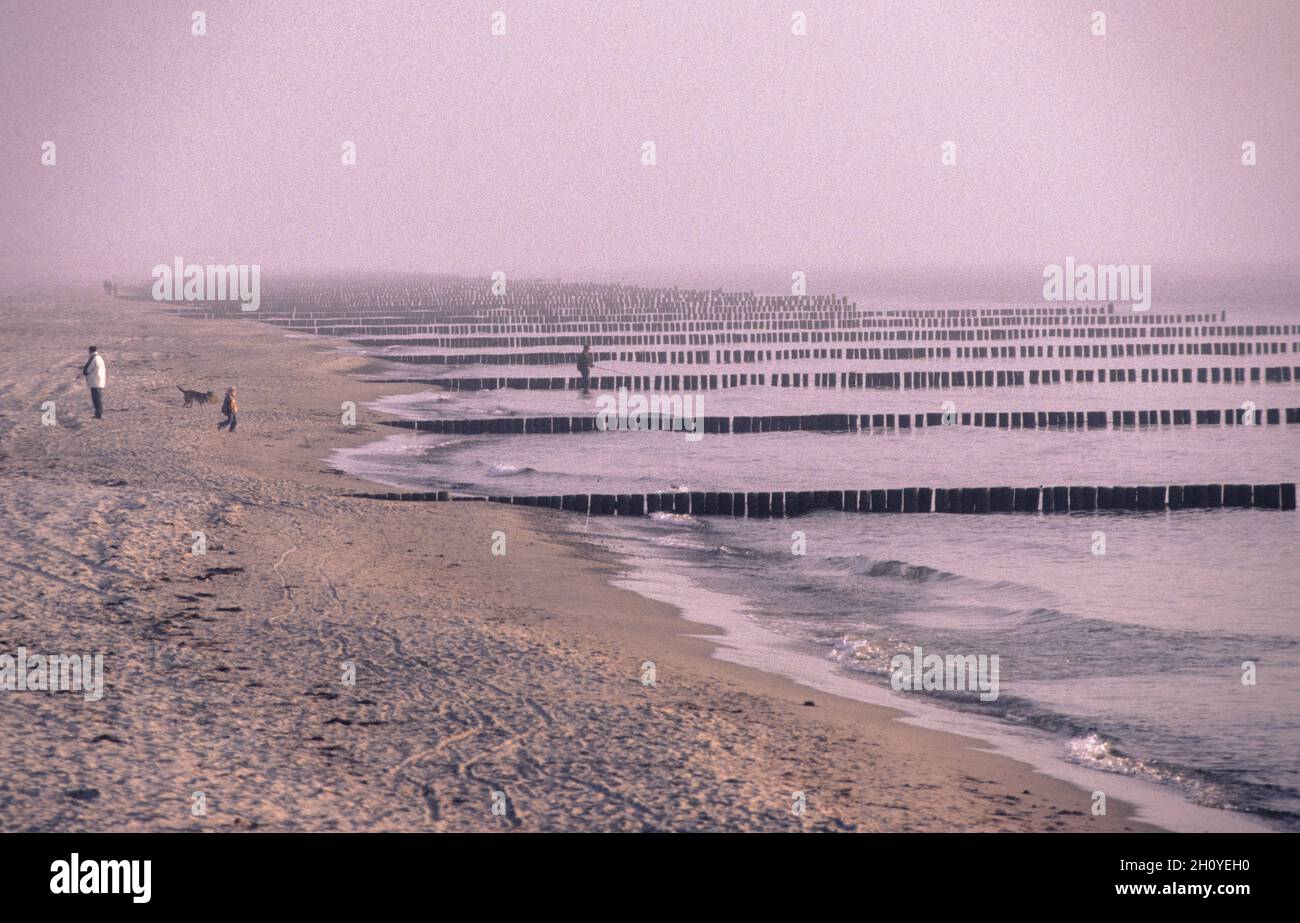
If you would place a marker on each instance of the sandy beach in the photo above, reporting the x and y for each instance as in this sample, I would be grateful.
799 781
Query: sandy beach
475 674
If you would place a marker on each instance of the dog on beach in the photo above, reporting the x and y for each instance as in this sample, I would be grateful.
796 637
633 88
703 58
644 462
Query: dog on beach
195 397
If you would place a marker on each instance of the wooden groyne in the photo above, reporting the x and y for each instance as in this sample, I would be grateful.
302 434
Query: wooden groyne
465 313
873 422
766 504
915 380
753 356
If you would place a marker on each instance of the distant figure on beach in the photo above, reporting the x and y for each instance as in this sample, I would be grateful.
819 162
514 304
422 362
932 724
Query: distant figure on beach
584 367
230 408
96 375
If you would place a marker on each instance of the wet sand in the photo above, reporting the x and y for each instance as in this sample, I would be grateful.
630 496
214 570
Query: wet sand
491 692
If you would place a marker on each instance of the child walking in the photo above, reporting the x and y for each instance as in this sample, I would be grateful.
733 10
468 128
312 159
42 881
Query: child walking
230 408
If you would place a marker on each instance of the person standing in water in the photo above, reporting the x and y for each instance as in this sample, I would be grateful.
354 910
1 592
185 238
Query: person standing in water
584 367
96 376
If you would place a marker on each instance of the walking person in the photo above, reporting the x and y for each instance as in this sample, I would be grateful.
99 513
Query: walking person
96 375
230 408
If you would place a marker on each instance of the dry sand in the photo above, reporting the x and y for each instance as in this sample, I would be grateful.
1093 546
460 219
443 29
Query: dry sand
474 673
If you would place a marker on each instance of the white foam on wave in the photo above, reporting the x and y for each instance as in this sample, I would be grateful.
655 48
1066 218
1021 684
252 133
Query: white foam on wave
410 406
683 518
505 469
861 650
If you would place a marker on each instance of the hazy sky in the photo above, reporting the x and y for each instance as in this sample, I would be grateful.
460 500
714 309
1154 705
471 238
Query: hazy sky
523 152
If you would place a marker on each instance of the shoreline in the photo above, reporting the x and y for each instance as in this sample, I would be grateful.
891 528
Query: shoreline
475 674
734 638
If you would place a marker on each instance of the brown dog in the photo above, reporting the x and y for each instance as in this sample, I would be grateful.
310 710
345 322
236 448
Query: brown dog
195 397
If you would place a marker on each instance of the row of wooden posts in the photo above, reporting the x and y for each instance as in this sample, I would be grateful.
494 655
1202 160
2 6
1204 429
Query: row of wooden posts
518 315
412 335
776 504
888 381
518 312
848 422
468 320
478 332
875 354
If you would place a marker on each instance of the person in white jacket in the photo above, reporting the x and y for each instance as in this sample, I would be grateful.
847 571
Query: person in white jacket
96 376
